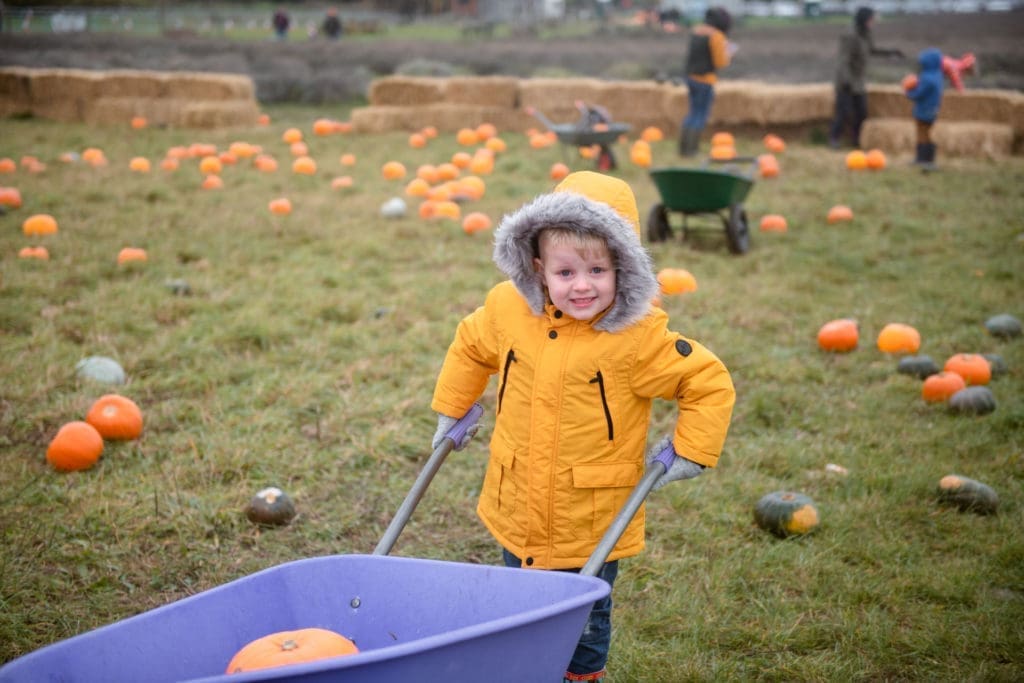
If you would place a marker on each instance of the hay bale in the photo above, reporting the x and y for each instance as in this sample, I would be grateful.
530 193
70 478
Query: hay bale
209 86
973 139
62 94
114 111
406 91
953 138
887 101
491 91
639 104
996 106
15 98
385 118
556 97
889 134
215 113
794 104
132 83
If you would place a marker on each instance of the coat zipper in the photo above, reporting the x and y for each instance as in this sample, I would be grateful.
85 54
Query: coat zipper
509 360
599 381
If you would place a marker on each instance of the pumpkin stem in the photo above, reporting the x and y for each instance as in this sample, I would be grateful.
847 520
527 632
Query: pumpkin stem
289 644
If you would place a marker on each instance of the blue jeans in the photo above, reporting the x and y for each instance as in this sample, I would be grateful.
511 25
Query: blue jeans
592 650
701 96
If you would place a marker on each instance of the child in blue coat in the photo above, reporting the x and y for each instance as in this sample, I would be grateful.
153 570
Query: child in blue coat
927 98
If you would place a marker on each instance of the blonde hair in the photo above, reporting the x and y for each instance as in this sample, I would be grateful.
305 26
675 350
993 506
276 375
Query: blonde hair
583 242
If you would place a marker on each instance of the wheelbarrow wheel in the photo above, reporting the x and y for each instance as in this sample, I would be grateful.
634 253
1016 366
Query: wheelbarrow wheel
658 229
737 231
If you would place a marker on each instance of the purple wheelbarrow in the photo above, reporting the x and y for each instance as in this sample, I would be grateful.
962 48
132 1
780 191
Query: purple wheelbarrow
412 619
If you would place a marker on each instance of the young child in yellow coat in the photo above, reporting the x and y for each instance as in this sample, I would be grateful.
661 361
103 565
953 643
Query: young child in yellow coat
580 354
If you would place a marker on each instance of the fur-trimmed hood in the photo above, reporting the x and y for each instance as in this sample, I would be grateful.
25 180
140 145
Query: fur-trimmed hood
588 203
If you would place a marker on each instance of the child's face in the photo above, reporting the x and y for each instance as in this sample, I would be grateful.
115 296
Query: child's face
580 282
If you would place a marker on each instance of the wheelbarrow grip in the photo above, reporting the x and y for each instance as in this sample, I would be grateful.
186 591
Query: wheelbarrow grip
655 468
426 475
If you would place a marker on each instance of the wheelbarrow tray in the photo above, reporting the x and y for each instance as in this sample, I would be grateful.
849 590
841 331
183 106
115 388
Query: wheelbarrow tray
571 134
700 190
412 619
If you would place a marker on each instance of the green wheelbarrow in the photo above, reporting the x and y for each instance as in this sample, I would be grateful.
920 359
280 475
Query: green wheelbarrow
693 191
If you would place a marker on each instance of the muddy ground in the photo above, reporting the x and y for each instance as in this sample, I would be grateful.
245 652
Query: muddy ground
321 71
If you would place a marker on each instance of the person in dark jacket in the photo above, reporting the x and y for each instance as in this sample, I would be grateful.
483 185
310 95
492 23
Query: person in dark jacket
926 95
851 99
281 22
331 26
709 51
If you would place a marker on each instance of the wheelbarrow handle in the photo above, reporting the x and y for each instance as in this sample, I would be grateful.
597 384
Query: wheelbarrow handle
655 468
452 436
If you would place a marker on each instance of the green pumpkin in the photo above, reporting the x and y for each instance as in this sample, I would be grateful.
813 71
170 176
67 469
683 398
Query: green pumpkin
917 366
786 513
973 400
1004 326
271 507
967 494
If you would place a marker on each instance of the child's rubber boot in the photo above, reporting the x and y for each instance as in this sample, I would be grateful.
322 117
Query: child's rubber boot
596 676
926 155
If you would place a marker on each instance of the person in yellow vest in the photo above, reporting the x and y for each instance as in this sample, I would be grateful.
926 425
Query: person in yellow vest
709 52
580 353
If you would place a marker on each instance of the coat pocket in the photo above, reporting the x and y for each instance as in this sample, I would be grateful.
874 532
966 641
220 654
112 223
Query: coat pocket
499 483
601 489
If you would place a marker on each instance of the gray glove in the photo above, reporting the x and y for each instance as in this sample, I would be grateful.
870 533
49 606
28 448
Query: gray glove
681 467
444 424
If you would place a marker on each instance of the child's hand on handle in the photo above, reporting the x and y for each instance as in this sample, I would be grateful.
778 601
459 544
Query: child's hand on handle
445 424
681 468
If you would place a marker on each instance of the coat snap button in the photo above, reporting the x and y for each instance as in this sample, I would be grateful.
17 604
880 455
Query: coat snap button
529 562
552 334
558 314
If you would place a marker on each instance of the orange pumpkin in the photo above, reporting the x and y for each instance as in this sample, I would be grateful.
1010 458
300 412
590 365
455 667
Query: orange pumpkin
774 143
282 206
840 335
129 254
471 187
909 82
139 122
115 417
304 165
169 164
839 213
773 222
10 196
875 159
40 253
676 281
558 171
430 132
7 165
722 152
476 221
652 134
485 131
447 209
481 164
347 159
973 367
496 144
417 187
290 647
640 154
341 181
139 164
899 338
39 224
210 165
466 137
265 163
212 182
324 127
856 160
723 138
77 446
768 166
393 170
941 386
291 136
417 140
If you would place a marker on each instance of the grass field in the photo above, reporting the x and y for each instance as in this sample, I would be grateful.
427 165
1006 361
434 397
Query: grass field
306 353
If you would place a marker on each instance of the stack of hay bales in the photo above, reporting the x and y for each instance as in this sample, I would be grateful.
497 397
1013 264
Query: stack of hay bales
178 99
411 102
976 123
